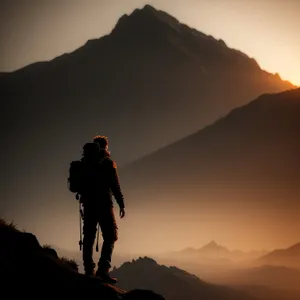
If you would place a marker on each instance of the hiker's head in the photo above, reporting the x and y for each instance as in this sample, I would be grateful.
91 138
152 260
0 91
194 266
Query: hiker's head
102 141
91 151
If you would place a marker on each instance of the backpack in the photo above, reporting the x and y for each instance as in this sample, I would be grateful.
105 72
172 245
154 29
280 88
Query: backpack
84 176
75 176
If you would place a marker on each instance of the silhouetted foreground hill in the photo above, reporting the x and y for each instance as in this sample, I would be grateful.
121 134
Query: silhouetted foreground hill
149 82
283 257
26 265
171 282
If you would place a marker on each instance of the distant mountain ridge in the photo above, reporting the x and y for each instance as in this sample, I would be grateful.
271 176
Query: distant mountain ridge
283 257
211 252
172 282
211 248
293 250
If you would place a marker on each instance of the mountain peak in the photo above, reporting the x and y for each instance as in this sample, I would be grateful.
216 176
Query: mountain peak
146 16
153 12
149 8
146 260
213 246
142 262
153 27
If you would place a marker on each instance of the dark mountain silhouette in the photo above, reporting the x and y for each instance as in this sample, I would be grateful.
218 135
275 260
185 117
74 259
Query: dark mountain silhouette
283 257
249 156
171 282
149 82
29 267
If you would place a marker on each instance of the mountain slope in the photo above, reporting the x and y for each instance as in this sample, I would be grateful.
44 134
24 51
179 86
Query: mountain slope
283 257
171 282
237 178
252 143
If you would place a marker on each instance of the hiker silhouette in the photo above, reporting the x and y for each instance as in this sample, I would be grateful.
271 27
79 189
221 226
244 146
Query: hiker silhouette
100 184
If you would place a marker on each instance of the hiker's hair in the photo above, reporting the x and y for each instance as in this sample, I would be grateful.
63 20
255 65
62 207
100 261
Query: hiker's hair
90 150
101 140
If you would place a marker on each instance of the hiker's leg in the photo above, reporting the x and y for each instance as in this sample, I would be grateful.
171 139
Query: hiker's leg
89 234
109 230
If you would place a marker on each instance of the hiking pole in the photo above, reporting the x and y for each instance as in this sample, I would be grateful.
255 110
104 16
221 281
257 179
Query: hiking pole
97 244
80 226
80 241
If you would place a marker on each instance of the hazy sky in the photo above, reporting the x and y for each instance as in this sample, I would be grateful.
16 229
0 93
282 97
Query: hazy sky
35 30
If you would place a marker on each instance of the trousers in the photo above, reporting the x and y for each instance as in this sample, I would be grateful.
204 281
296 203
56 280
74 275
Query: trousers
104 216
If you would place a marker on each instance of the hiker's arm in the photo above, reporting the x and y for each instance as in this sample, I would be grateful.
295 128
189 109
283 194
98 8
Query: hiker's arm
115 185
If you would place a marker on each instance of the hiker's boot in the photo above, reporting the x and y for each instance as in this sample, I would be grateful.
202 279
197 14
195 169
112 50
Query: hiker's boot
90 272
103 273
89 269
